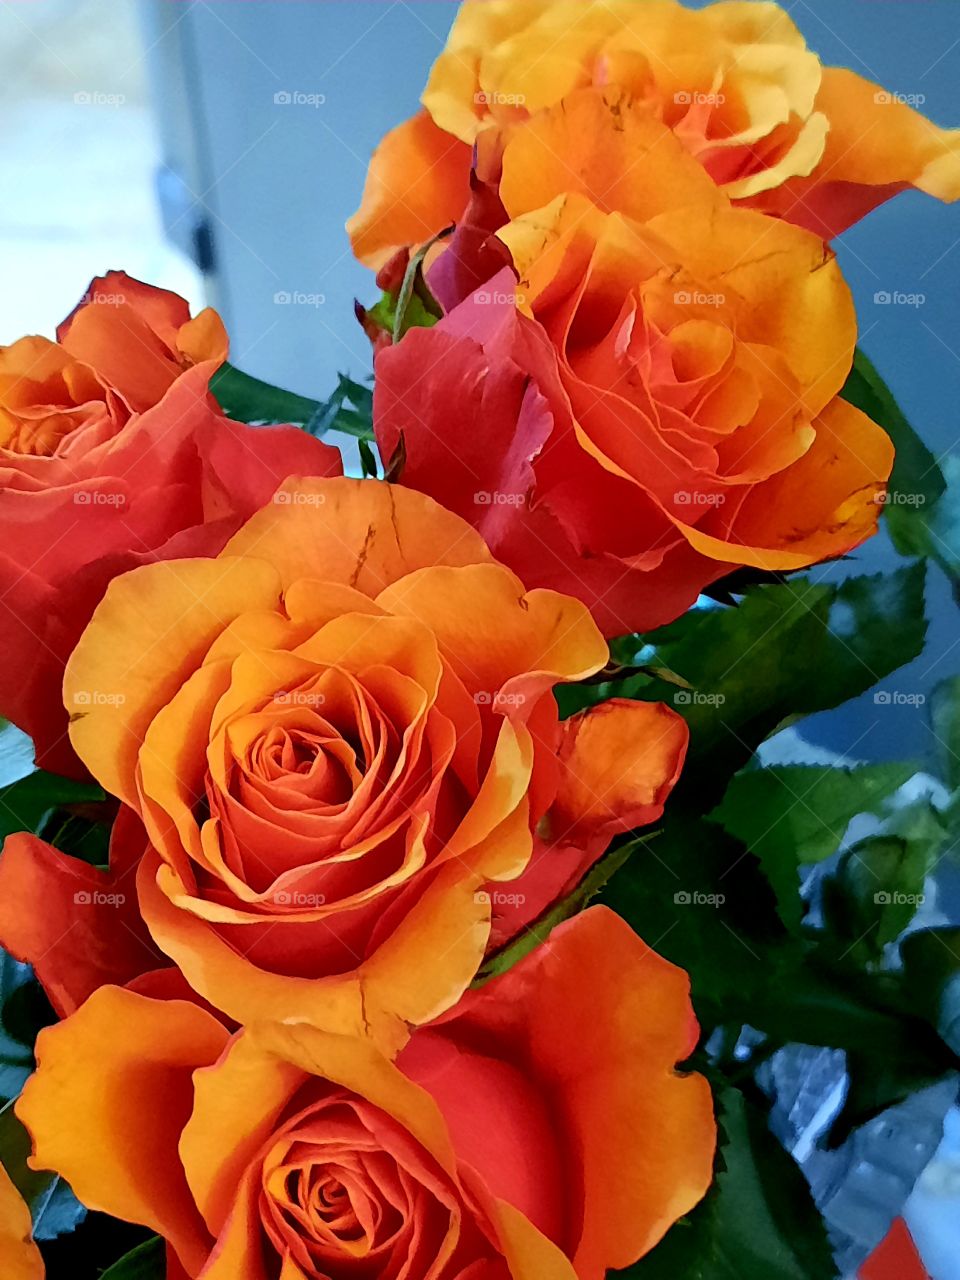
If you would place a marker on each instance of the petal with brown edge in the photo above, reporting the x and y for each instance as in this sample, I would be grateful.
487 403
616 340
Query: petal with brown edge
360 533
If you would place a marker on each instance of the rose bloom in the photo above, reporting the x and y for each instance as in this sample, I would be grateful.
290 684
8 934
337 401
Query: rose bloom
537 1132
342 740
113 453
735 83
655 404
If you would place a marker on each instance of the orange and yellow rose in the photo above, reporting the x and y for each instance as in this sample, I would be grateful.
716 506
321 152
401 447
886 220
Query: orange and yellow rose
655 403
540 1131
341 738
734 82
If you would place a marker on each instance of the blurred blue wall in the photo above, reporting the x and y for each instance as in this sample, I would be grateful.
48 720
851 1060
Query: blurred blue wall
274 180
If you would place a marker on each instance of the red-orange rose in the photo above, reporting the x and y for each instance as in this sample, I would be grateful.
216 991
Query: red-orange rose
113 454
538 1132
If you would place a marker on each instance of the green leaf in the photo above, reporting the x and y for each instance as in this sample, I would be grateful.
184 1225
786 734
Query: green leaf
148 1261
54 1208
787 651
922 507
368 460
915 469
349 410
248 399
415 303
945 722
797 814
385 312
931 966
875 892
26 804
876 1083
758 1222
698 898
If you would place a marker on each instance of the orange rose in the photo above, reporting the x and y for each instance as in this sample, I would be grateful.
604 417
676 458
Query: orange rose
665 407
539 1132
113 453
140 339
776 130
341 738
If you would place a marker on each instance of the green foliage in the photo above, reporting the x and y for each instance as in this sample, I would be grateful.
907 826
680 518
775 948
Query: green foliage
30 803
945 723
248 399
758 1221
931 962
349 410
795 815
148 1261
923 504
737 674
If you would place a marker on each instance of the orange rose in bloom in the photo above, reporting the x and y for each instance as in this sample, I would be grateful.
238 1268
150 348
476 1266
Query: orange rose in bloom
736 84
341 738
538 1132
665 407
113 454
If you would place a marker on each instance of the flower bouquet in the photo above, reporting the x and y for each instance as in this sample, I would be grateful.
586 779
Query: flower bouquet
398 881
